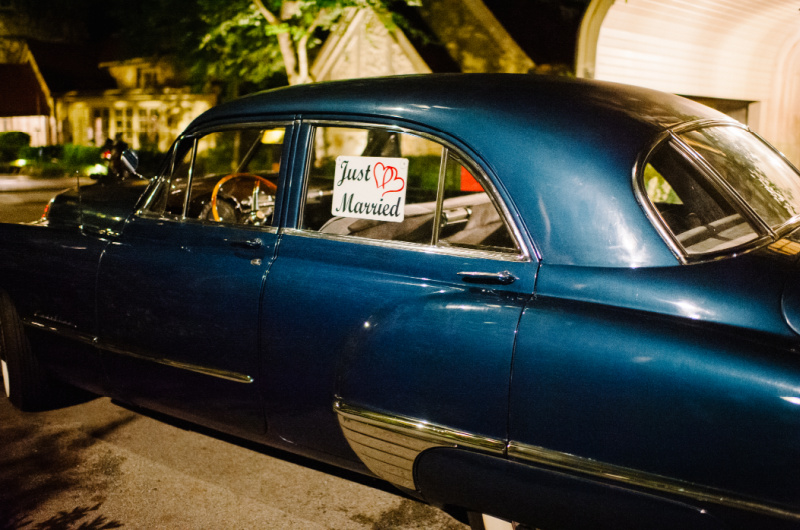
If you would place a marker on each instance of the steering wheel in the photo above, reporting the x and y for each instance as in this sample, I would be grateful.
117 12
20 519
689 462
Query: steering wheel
259 180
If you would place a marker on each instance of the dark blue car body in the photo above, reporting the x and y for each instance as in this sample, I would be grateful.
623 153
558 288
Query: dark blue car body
598 364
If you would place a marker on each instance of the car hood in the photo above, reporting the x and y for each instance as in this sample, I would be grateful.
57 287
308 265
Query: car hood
98 208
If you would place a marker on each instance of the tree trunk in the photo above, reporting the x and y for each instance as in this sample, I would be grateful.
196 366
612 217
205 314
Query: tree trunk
285 43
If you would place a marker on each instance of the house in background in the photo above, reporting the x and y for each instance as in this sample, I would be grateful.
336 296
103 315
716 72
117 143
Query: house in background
740 57
26 103
463 36
60 93
147 107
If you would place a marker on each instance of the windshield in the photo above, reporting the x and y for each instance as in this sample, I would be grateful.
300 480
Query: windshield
713 211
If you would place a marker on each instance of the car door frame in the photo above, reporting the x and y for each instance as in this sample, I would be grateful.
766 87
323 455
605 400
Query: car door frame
329 447
122 361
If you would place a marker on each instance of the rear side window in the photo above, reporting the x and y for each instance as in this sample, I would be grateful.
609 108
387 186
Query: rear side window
763 179
699 215
388 185
718 188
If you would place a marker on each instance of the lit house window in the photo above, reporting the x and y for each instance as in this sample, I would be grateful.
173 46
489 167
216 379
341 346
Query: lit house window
123 119
148 127
146 78
100 124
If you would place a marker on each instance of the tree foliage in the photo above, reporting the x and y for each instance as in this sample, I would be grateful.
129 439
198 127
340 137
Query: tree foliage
255 40
243 45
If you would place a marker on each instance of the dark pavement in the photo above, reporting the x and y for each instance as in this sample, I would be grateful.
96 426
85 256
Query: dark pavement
96 465
22 199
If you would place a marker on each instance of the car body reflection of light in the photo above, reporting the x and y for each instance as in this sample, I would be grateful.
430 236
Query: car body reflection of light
691 310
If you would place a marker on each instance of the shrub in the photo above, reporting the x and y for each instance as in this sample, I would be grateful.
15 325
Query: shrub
80 155
45 153
58 160
11 143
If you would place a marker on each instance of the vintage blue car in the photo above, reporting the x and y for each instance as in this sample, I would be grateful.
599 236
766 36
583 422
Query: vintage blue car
567 304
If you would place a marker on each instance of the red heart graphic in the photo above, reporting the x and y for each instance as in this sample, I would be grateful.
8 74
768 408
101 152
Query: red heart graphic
389 179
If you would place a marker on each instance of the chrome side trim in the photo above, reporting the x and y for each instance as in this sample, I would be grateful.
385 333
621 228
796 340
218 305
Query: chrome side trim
59 327
70 333
389 444
205 370
418 247
648 481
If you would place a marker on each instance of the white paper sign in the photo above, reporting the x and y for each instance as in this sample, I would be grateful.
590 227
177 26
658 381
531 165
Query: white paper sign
370 187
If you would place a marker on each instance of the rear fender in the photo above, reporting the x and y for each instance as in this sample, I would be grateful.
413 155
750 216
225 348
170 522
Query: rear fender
547 498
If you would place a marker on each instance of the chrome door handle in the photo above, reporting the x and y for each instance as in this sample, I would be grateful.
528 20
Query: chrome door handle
497 278
248 243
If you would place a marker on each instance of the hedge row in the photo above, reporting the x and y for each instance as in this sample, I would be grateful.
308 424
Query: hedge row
56 160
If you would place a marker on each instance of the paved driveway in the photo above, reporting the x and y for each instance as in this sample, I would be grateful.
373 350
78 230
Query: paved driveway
96 465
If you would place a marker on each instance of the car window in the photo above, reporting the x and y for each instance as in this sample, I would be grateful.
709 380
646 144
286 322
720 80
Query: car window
390 185
766 182
700 216
225 176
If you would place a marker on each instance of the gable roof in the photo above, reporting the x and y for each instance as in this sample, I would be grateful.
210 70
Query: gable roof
21 93
67 67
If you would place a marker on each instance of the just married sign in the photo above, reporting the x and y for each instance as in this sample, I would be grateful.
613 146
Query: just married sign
369 187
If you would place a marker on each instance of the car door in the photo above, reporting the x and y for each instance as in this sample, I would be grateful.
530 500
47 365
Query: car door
49 273
179 290
396 293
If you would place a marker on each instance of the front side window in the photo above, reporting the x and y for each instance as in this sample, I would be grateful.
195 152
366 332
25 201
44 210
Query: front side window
382 184
228 176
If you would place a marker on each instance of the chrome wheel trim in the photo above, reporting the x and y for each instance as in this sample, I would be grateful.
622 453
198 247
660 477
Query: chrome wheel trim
6 384
390 444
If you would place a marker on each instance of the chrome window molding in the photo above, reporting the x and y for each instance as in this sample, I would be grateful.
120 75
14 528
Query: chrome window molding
223 224
766 235
489 186
640 479
405 245
68 331
791 224
160 178
390 444
722 185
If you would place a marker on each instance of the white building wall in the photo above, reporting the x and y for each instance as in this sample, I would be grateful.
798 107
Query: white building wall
362 46
35 126
713 48
726 49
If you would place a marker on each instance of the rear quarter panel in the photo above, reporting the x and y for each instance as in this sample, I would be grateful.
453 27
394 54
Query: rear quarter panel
704 403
